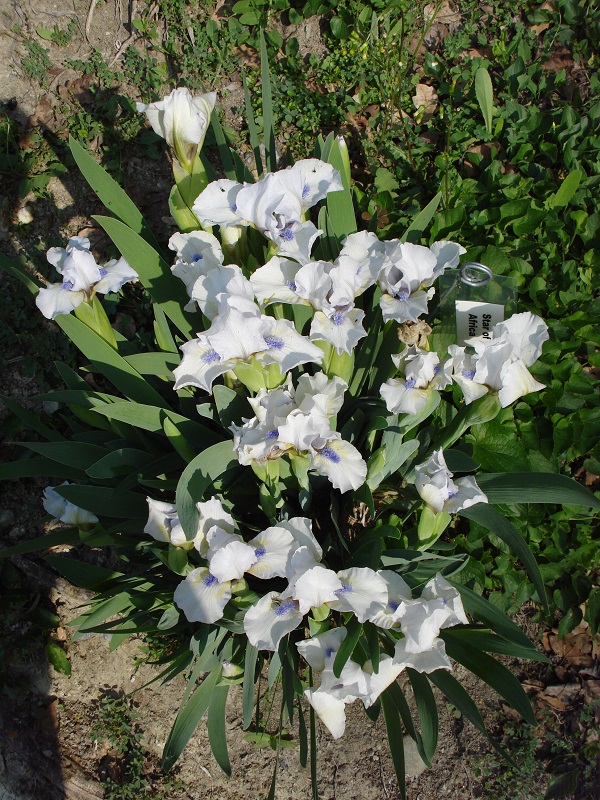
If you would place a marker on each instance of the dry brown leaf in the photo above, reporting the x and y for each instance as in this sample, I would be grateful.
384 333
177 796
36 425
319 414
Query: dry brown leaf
425 97
446 15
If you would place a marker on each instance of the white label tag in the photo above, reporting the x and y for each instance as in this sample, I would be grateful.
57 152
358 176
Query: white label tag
476 319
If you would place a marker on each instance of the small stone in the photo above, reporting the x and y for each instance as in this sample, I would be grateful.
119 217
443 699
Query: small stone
50 407
7 517
16 533
414 764
25 215
47 753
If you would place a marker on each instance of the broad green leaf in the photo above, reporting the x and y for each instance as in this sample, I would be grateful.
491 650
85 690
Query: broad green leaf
122 461
109 362
231 406
180 444
196 479
160 364
106 502
65 536
479 411
535 487
479 607
566 190
427 710
267 107
485 640
346 648
340 206
217 735
395 454
31 419
150 418
38 468
111 194
190 714
164 337
80 455
492 672
57 657
89 576
303 738
459 698
395 737
494 521
396 694
100 612
250 659
155 274
418 226
484 92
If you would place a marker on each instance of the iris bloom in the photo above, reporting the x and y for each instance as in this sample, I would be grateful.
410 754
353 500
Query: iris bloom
66 512
275 205
82 278
238 333
433 481
300 423
182 120
500 362
420 375
329 700
407 277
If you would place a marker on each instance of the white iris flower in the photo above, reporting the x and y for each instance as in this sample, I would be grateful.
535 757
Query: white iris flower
239 332
182 120
421 375
64 511
434 483
300 422
201 596
82 278
500 362
275 205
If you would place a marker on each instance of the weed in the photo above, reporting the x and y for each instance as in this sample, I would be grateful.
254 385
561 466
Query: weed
36 64
59 36
126 771
543 755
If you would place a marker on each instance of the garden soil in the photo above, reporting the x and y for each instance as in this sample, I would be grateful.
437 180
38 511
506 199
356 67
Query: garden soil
48 745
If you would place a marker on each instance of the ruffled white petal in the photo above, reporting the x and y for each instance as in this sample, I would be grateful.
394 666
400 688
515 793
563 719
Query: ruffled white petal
58 299
341 462
270 619
201 597
363 591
